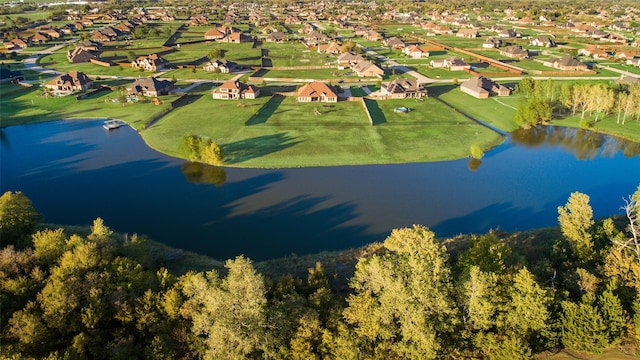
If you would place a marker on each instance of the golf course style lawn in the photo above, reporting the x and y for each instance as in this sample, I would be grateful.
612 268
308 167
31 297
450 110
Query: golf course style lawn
280 132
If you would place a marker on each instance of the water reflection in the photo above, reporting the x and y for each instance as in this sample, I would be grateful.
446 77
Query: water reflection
585 144
76 171
474 164
199 173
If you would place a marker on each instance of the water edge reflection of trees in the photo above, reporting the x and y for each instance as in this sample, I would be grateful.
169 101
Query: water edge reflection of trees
583 143
199 173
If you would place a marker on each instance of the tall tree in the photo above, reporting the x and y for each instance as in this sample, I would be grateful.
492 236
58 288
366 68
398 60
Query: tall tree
401 303
576 220
18 218
229 313
583 328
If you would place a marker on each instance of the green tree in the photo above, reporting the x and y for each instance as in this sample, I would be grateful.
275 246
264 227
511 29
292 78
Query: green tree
526 310
228 314
576 220
397 314
479 299
488 252
583 328
49 245
612 313
18 218
476 151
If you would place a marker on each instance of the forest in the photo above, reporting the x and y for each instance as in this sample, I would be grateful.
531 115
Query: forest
73 293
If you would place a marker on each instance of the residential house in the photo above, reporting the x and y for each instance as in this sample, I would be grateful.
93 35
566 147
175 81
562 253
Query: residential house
153 62
219 66
89 45
67 83
373 35
367 69
315 37
235 90
394 42
39 38
442 30
415 52
100 37
17 44
331 48
614 38
149 87
236 38
515 52
80 55
51 33
403 88
481 87
455 64
633 62
594 51
543 40
214 34
467 33
491 43
349 58
510 33
625 54
317 91
566 63
198 20
277 37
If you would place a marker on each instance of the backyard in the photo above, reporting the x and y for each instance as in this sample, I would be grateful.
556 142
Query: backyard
279 132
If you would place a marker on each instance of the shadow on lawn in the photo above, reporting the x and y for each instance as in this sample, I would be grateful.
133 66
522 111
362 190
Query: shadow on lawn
244 150
377 116
265 112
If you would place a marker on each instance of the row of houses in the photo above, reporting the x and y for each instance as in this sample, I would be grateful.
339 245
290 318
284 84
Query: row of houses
76 81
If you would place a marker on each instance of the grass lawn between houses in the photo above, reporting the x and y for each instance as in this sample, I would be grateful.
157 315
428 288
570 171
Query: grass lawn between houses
279 132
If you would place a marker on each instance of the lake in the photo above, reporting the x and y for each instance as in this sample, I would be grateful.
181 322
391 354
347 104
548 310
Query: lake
76 171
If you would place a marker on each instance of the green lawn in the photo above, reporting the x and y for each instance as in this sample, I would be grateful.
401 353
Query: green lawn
442 73
30 106
317 74
293 54
279 132
630 130
199 74
496 111
630 68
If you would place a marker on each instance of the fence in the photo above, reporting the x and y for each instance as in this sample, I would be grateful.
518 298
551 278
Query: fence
101 63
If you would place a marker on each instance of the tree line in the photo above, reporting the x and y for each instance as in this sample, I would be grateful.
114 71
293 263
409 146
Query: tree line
544 100
100 295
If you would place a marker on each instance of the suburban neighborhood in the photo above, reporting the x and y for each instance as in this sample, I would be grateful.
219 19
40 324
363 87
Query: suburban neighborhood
263 54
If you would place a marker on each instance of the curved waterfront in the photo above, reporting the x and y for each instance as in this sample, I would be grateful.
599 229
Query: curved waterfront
75 171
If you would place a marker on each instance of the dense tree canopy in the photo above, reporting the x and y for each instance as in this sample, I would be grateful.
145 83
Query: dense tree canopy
102 295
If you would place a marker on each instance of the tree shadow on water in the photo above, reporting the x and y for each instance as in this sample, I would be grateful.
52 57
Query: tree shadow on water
247 149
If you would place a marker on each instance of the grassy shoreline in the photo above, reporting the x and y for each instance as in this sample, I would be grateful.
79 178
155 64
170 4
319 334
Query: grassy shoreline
281 133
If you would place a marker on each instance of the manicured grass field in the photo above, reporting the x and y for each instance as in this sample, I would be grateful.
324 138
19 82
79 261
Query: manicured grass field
319 74
30 106
498 112
442 73
188 73
293 54
630 68
279 132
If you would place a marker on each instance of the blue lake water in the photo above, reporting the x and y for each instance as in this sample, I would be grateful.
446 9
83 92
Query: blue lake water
75 171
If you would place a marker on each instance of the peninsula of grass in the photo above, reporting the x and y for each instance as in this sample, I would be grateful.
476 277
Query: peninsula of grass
608 125
281 133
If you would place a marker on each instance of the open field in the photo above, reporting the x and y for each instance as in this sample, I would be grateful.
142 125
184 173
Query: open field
280 132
